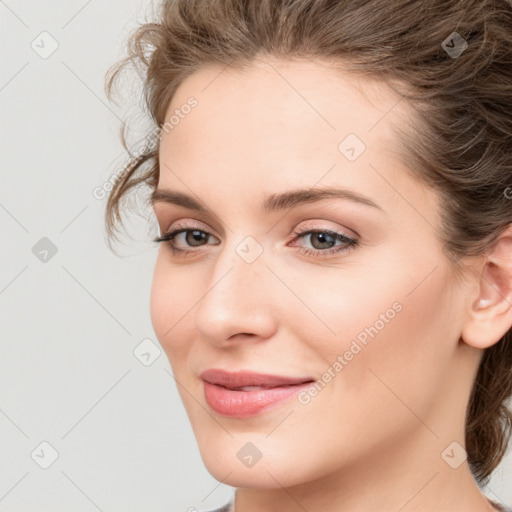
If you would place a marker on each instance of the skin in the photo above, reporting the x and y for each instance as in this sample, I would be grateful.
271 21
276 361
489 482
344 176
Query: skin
373 437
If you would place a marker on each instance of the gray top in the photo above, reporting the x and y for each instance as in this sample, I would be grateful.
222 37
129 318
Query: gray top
500 507
230 506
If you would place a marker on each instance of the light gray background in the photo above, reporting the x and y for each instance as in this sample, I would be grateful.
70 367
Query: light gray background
69 325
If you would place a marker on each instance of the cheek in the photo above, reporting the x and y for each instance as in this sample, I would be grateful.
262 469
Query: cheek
401 367
391 316
400 338
170 303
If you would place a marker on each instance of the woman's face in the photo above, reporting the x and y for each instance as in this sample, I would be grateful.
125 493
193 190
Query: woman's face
375 323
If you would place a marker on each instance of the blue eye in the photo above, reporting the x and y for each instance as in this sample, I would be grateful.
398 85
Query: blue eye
324 236
195 238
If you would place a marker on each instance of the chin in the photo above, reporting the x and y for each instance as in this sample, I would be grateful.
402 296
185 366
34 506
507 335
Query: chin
257 477
230 462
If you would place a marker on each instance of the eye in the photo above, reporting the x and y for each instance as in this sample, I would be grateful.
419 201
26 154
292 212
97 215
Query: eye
193 236
322 240
319 238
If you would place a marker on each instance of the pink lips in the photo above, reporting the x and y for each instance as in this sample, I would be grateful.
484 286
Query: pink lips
222 393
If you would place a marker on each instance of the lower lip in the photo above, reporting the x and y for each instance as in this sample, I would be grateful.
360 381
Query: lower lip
240 404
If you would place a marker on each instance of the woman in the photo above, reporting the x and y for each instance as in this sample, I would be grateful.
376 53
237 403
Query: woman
332 182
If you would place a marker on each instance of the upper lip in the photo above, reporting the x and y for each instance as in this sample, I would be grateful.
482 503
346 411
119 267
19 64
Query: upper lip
245 378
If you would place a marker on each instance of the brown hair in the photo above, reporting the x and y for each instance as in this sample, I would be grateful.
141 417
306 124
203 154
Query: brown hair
463 142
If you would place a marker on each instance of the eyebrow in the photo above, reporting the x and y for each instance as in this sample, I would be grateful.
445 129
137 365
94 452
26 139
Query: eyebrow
273 203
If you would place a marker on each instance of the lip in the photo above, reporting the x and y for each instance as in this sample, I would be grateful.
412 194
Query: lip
239 379
223 397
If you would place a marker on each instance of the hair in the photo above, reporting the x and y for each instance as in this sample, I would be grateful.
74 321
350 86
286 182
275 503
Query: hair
462 141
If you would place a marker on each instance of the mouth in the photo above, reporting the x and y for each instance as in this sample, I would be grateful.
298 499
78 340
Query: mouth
246 379
243 394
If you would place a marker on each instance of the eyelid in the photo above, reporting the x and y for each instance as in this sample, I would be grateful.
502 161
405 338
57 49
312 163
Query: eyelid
168 213
185 225
314 226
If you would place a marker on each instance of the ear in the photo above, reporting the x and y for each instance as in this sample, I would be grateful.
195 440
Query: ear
490 311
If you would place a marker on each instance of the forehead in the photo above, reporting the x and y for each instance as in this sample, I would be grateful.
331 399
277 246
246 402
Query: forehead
288 108
281 125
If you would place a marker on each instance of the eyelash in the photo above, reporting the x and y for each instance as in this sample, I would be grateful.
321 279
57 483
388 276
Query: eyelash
350 243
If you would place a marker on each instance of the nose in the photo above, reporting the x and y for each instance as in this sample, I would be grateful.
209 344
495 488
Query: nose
238 304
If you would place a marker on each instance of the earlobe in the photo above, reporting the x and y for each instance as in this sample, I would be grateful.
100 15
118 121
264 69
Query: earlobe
490 313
